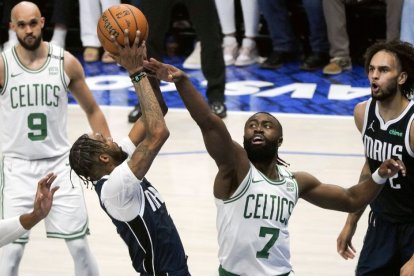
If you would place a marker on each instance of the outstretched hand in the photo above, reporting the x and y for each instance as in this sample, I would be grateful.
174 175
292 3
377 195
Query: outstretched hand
391 167
162 71
44 196
130 57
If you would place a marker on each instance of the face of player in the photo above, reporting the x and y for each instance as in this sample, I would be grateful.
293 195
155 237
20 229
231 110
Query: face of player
28 24
112 148
384 75
262 134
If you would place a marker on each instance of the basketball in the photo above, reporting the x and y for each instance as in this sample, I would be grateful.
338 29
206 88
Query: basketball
115 20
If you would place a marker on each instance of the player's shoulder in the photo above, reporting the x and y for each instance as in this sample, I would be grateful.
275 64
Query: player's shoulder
359 109
361 105
69 57
72 65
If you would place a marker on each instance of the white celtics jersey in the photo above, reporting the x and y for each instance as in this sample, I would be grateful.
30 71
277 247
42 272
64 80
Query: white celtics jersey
33 107
253 225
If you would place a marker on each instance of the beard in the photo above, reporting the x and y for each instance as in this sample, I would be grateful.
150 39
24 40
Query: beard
119 156
260 153
30 47
387 92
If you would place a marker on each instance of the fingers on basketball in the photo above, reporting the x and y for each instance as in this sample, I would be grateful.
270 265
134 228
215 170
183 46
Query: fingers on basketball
115 20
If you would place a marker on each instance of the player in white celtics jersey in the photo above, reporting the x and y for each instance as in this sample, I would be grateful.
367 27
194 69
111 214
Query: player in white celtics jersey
35 77
255 194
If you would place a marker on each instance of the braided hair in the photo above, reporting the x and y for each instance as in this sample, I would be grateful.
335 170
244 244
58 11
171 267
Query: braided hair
84 158
404 52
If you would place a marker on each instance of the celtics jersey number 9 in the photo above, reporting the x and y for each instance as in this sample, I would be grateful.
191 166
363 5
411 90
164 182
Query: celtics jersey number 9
33 107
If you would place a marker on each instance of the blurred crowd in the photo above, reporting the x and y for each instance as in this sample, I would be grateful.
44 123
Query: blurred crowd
231 32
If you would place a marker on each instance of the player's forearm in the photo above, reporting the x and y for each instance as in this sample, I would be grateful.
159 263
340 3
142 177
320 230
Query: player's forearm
98 123
362 194
155 84
29 220
365 193
153 117
353 218
193 100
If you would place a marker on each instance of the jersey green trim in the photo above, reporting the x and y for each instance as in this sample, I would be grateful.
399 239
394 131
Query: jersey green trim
43 67
5 74
2 188
73 236
62 69
223 272
242 192
273 182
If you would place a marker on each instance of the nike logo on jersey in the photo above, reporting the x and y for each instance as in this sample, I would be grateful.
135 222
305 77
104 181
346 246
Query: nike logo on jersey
257 180
15 75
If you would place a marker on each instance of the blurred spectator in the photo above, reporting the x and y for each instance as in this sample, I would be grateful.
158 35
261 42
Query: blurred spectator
284 41
407 23
203 15
89 13
335 16
247 54
60 18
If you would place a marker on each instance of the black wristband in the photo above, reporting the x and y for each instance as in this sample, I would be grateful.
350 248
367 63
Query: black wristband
136 77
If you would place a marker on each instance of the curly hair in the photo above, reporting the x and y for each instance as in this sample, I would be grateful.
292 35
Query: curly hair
404 52
84 157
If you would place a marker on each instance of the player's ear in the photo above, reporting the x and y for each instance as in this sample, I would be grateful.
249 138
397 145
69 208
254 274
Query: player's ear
279 141
104 157
402 78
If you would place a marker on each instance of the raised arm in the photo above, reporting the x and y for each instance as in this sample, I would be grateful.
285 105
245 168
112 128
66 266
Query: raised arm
84 96
137 133
347 200
229 156
151 132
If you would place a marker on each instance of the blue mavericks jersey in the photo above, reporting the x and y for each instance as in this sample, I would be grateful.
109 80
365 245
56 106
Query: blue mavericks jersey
153 241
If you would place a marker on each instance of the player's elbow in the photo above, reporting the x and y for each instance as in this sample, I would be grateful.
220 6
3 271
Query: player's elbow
159 135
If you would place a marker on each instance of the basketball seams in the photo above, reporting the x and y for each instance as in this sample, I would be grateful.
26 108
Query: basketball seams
133 15
112 24
119 26
103 35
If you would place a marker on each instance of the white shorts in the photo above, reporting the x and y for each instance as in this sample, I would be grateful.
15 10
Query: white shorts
68 217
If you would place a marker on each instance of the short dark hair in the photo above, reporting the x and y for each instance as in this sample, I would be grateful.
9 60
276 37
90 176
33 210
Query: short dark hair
404 53
84 156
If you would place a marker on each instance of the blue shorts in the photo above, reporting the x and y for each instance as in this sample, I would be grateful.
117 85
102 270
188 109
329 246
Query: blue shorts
387 247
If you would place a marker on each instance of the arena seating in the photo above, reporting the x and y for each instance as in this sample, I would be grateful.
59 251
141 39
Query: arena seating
366 24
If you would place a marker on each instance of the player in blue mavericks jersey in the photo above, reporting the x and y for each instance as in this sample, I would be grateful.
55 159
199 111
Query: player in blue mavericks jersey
118 172
255 193
386 124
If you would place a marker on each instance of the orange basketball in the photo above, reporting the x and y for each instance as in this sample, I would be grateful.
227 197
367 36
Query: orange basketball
115 20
